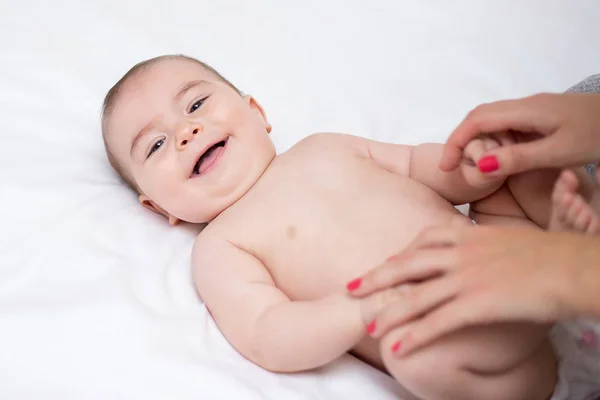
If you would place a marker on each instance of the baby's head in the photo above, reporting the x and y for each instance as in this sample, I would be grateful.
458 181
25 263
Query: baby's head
184 138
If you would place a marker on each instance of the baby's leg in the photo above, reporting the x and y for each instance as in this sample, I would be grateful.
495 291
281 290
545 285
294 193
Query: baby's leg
570 210
534 191
530 198
496 362
501 207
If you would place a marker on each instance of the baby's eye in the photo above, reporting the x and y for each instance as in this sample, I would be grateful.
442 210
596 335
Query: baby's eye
155 147
197 105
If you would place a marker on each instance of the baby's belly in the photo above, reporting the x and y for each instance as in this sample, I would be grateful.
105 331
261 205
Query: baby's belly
321 244
317 258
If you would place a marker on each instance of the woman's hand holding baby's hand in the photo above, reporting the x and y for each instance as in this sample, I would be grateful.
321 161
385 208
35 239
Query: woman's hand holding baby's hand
453 277
474 157
376 301
552 130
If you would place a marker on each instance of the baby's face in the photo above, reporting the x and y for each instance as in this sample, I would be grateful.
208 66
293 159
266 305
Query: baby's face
192 144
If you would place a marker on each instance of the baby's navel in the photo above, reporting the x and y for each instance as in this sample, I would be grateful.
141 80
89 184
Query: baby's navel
290 232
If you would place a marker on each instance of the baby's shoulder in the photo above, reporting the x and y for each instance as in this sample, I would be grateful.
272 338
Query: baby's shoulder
210 246
204 239
218 230
331 142
225 231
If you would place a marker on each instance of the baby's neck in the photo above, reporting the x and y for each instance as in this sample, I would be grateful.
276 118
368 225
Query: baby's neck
249 190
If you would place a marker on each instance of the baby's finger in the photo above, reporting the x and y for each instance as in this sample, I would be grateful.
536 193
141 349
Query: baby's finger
401 269
474 150
373 304
413 301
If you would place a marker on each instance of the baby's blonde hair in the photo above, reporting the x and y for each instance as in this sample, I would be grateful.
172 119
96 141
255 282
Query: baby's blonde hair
113 94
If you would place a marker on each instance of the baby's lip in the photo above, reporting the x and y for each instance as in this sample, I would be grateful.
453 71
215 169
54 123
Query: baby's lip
203 151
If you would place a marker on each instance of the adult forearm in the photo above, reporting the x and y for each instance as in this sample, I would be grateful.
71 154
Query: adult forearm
577 275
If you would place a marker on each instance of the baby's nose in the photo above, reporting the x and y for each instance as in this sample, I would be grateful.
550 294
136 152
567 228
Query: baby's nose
187 135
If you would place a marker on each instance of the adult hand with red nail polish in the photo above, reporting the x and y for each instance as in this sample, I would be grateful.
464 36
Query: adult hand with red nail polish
475 164
454 277
550 130
377 301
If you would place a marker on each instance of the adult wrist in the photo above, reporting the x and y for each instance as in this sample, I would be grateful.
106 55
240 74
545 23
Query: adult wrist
579 290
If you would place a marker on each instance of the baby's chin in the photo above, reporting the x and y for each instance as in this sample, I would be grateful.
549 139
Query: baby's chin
215 199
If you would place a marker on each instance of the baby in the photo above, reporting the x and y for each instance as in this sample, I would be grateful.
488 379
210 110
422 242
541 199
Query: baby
285 233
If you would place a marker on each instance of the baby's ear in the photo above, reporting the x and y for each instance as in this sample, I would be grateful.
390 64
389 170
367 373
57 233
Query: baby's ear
255 105
152 206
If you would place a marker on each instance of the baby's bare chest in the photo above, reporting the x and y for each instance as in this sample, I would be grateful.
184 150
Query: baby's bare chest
317 226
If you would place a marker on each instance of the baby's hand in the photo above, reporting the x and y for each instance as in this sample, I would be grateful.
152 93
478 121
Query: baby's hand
374 303
473 153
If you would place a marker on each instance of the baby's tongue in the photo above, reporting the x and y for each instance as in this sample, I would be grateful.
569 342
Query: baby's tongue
209 159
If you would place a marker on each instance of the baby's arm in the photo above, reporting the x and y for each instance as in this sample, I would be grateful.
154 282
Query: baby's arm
261 322
463 185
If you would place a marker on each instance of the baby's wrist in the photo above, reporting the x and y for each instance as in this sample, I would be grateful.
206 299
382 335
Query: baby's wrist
353 309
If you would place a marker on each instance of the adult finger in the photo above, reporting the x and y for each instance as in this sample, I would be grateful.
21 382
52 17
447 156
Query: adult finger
441 236
521 157
505 139
518 115
414 301
457 313
403 269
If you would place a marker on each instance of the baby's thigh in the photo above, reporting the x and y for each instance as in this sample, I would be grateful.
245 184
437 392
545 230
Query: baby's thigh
499 208
476 362
532 190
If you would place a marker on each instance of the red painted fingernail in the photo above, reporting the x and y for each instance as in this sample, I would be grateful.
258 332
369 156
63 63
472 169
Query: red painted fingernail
488 164
371 327
354 284
396 346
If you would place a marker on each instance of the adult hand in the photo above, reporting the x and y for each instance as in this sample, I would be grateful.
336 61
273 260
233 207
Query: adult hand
551 130
465 276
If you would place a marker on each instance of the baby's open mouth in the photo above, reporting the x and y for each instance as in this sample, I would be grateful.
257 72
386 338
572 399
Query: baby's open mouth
209 157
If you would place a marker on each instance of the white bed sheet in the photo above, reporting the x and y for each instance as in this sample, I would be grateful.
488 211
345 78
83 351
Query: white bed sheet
96 300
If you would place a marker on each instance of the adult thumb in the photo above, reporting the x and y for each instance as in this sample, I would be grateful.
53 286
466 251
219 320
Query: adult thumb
521 157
